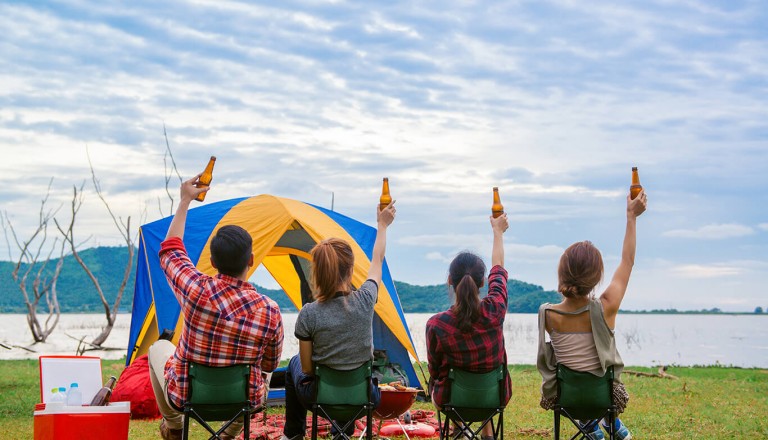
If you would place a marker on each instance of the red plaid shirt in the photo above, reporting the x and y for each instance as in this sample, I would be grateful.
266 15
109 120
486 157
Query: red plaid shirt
479 350
226 322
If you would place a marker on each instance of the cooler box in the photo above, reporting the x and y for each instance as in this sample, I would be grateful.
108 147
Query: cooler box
61 422
57 421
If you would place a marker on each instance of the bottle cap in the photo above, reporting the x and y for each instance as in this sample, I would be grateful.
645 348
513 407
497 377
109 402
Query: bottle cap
74 385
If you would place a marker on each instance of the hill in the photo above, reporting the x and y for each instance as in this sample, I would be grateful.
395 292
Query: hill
77 294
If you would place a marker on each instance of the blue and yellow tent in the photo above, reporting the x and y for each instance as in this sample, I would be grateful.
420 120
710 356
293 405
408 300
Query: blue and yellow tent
283 231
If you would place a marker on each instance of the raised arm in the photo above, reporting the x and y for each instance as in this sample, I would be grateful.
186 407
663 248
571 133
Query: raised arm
499 226
615 291
187 193
384 218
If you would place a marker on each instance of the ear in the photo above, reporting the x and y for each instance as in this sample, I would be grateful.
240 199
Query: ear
213 264
250 261
449 281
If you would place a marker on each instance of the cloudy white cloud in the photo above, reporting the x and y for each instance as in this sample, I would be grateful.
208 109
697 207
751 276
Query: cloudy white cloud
553 103
712 232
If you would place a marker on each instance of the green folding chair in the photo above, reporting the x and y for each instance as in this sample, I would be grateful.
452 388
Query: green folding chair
474 397
584 396
343 396
218 394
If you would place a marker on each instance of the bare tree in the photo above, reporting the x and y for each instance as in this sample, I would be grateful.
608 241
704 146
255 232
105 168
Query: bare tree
124 227
32 265
168 173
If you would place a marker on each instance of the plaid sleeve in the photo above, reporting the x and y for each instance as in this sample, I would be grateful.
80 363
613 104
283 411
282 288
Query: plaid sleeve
434 355
274 348
496 300
179 269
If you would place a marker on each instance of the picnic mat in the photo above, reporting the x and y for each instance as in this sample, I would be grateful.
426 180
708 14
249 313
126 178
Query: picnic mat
272 427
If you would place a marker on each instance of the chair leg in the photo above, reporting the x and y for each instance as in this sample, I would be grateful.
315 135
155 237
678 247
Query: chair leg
369 423
557 424
314 423
246 424
500 426
185 429
612 425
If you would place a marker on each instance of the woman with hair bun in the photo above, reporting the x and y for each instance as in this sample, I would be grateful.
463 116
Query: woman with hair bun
470 334
335 330
581 326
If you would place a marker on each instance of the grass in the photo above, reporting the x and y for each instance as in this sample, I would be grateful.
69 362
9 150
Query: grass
704 403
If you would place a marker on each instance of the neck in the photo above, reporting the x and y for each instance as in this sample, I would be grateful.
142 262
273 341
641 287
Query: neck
577 302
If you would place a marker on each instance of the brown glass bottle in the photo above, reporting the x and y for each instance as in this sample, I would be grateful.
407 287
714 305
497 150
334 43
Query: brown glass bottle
497 208
102 397
635 188
205 178
385 198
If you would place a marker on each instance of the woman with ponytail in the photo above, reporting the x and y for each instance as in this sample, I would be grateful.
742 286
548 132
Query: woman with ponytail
581 327
470 334
335 330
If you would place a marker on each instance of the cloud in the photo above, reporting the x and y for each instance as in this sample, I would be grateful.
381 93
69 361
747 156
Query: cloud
763 226
712 232
717 270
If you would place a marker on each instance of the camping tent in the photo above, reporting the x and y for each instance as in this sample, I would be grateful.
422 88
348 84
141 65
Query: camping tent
283 231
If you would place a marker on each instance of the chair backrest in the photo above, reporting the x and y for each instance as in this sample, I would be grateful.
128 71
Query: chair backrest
342 392
474 397
217 392
582 394
476 390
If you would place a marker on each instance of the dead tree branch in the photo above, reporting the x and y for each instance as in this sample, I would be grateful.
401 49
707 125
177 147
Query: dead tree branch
31 265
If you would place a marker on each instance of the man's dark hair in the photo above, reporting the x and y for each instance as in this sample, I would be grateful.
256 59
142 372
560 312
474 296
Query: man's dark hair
231 250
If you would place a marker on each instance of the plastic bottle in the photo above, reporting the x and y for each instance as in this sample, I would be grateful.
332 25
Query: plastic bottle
56 396
74 396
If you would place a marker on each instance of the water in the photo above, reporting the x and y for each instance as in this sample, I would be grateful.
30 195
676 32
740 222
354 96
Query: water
643 340
648 340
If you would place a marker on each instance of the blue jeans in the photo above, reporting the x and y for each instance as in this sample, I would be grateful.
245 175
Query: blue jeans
300 394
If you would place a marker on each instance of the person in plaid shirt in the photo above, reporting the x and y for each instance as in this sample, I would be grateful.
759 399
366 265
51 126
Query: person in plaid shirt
226 322
470 334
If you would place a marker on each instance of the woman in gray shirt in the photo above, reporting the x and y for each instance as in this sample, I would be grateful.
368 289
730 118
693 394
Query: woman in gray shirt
336 329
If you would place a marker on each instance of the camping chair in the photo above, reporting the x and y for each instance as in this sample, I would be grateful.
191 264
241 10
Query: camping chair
584 396
343 396
474 397
218 394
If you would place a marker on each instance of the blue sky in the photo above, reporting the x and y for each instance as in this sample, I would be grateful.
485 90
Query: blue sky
552 101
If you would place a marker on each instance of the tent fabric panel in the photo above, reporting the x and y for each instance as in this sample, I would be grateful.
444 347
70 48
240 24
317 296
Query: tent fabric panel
262 216
142 297
384 339
282 270
147 335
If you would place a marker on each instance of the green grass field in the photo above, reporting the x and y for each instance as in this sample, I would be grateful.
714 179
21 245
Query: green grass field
704 403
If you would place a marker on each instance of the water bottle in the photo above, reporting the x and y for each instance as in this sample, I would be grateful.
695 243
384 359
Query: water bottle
56 396
74 396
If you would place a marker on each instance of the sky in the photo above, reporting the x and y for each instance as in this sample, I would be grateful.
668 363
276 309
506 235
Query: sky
552 101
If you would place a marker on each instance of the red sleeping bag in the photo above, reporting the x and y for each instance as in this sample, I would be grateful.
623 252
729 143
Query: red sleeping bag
134 386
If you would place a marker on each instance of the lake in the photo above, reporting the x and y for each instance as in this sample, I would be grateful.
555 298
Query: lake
643 340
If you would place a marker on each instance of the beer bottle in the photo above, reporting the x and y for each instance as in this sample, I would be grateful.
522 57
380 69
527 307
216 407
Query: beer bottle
385 198
205 178
102 397
635 188
497 208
